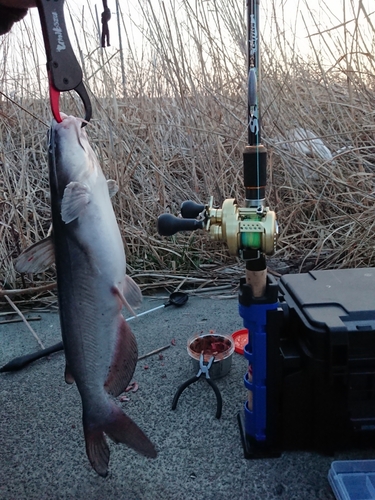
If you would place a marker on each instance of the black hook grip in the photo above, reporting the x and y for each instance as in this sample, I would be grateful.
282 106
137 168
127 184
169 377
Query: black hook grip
190 209
62 64
169 224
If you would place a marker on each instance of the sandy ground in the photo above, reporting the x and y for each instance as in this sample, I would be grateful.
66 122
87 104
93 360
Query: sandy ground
42 454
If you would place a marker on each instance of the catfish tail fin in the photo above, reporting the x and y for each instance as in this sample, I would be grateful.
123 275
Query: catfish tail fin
121 429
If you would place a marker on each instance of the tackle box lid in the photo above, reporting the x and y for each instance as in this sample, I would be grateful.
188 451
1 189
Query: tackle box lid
353 479
334 300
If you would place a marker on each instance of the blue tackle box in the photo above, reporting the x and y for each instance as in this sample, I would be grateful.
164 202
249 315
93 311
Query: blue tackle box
353 479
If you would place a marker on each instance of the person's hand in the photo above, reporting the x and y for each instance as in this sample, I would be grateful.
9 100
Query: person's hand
12 11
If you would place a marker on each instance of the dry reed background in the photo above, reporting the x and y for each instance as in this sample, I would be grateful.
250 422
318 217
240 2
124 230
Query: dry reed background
170 124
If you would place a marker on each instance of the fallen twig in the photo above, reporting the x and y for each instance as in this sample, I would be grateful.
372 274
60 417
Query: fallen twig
213 289
13 305
28 291
18 320
153 352
274 273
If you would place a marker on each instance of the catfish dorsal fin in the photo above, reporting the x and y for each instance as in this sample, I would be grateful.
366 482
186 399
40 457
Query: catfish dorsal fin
37 258
112 187
124 360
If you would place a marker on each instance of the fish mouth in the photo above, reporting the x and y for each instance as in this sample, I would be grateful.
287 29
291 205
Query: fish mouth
71 147
73 124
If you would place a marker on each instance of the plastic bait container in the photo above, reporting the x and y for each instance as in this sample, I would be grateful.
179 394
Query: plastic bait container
353 479
221 346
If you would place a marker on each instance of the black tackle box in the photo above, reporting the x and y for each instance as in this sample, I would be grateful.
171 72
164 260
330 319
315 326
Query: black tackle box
328 359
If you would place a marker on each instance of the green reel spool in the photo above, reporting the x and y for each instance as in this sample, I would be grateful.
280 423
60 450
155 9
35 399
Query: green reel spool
251 239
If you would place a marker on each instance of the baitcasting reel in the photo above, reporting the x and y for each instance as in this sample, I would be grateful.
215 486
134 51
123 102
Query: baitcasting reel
243 229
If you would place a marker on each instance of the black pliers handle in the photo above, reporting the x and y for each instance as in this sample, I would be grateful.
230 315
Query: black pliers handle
203 369
64 71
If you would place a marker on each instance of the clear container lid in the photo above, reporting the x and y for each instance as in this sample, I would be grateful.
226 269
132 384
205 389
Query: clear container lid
353 479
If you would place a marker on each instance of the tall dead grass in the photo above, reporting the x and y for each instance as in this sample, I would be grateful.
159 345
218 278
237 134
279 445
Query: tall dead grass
169 124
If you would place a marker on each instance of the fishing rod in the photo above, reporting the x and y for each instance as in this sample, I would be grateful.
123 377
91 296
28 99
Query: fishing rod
253 71
176 299
250 233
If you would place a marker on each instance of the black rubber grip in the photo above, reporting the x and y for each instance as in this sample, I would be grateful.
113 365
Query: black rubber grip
169 224
22 361
190 209
255 172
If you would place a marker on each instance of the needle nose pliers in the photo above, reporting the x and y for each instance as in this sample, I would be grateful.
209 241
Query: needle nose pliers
203 370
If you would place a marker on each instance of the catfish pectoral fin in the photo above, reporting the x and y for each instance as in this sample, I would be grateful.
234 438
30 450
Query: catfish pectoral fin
76 197
37 258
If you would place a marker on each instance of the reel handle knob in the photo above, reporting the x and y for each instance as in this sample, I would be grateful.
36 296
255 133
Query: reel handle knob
168 224
190 209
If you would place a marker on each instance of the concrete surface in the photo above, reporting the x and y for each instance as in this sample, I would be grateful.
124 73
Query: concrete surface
42 453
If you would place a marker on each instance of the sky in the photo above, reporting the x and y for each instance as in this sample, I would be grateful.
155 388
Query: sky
330 27
301 19
333 29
